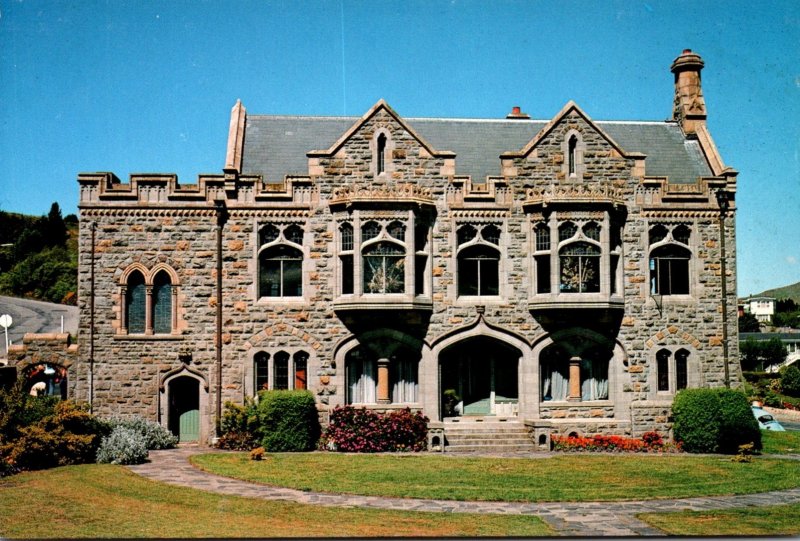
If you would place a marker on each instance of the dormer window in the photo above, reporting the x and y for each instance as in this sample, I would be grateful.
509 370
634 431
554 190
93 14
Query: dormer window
380 155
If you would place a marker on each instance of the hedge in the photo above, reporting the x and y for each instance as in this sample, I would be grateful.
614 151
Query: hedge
287 421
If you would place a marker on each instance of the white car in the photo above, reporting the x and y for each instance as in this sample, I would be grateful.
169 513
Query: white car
766 421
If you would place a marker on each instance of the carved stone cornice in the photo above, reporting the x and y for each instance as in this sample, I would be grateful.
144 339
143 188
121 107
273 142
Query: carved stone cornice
402 193
599 193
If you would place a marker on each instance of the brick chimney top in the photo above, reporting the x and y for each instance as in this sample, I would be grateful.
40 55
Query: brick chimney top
516 112
689 106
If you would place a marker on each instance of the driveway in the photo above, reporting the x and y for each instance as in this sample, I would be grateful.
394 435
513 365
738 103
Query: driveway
36 317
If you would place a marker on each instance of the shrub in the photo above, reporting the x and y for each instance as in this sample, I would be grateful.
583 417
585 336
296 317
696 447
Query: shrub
696 413
19 409
790 380
69 436
714 420
155 436
365 431
125 445
287 421
238 426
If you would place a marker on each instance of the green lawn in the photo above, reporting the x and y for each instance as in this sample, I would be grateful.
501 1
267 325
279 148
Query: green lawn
750 521
110 501
781 443
581 477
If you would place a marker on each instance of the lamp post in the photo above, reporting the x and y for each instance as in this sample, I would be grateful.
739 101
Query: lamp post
723 200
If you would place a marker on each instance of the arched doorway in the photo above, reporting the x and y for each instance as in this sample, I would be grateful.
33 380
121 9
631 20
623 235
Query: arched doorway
184 408
479 376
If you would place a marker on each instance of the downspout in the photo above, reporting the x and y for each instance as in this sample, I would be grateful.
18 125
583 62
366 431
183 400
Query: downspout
93 228
722 199
219 205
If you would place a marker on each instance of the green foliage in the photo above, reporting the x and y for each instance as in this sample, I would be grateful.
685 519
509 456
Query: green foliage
787 319
287 421
19 409
790 380
758 354
238 426
40 263
69 436
153 434
749 323
714 420
359 430
123 446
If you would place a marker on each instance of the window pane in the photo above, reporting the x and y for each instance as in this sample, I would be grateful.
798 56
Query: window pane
467 276
542 237
281 272
269 233
580 268
396 230
135 299
301 370
292 278
419 270
370 230
384 268
681 373
294 233
489 277
566 231
592 231
681 234
669 270
657 234
491 233
542 273
281 371
347 237
420 235
261 371
347 274
613 273
269 279
478 268
466 233
162 304
403 375
662 361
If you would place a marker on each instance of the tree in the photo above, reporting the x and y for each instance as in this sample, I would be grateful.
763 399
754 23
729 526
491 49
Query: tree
749 323
774 352
55 231
750 354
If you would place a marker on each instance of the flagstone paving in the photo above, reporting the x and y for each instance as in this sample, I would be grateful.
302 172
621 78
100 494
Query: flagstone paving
566 518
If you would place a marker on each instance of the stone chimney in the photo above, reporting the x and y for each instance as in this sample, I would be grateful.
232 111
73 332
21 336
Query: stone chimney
689 107
517 113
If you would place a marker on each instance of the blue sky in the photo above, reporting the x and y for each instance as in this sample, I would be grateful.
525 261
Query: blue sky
145 86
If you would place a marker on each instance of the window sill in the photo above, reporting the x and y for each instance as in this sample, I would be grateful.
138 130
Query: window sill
472 300
677 300
292 301
562 404
392 406
383 302
565 301
149 337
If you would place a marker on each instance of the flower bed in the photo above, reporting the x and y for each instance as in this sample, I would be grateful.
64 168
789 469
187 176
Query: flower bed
358 430
651 442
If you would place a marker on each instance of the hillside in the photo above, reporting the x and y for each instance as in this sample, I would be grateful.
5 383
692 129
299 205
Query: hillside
39 256
786 292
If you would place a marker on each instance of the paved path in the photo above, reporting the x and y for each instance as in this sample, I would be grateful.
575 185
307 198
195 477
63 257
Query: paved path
592 519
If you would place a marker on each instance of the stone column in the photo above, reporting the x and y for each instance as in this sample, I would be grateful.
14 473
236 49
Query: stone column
148 310
383 381
574 379
174 307
123 314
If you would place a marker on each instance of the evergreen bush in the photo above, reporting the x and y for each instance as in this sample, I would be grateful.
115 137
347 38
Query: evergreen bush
713 420
125 445
287 421
790 380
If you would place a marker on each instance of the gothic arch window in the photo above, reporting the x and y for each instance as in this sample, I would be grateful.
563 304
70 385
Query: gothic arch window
478 260
280 261
670 259
572 147
280 370
672 370
579 258
135 303
162 303
380 158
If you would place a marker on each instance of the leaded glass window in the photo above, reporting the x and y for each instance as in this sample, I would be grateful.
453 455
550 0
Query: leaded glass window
384 268
135 303
162 304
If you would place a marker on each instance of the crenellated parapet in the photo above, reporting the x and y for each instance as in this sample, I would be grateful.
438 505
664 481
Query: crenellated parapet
106 189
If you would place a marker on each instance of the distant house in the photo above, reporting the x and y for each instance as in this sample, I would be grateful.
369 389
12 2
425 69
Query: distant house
763 308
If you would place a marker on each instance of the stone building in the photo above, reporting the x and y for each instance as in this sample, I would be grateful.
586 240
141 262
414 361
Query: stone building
561 275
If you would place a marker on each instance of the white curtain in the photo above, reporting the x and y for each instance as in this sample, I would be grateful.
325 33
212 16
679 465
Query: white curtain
555 382
595 383
361 380
404 389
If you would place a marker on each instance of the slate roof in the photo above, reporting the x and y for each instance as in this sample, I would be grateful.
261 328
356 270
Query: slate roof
275 146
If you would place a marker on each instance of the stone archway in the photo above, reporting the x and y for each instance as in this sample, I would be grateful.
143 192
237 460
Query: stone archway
184 405
479 376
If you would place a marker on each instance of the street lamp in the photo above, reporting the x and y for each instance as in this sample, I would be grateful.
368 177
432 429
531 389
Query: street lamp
723 200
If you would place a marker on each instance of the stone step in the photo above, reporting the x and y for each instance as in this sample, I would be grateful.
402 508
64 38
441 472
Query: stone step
491 437
490 447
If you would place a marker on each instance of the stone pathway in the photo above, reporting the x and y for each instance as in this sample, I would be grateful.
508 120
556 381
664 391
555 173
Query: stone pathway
592 519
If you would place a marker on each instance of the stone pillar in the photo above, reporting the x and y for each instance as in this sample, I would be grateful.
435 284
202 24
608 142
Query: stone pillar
174 314
123 313
148 310
383 381
574 379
